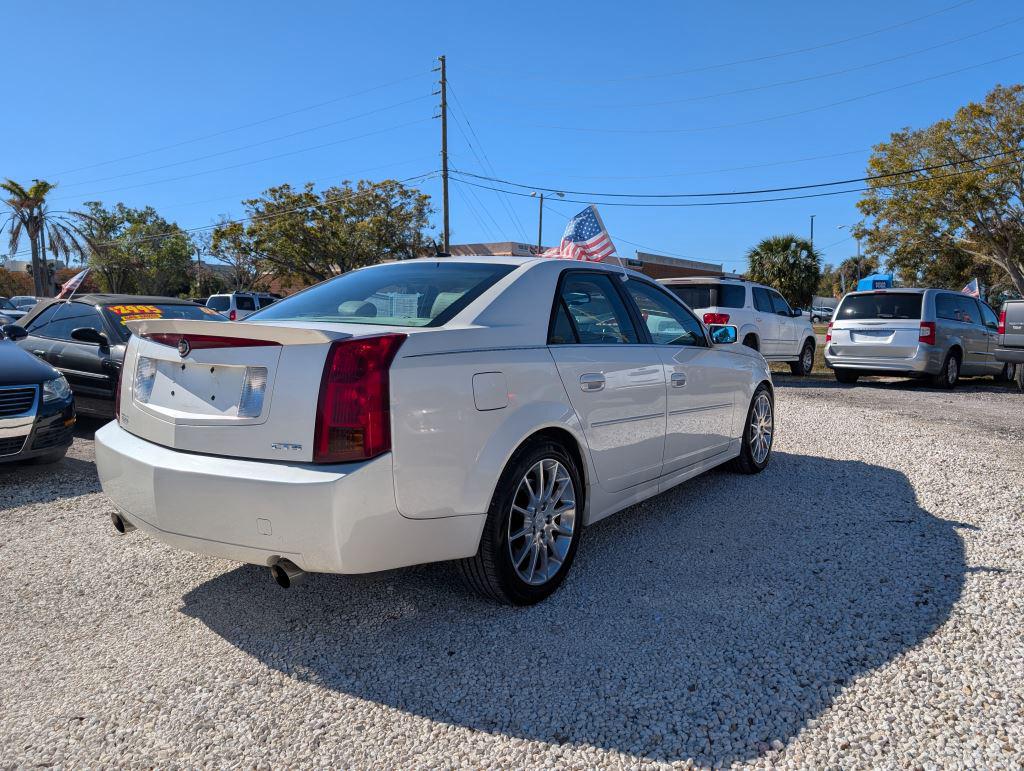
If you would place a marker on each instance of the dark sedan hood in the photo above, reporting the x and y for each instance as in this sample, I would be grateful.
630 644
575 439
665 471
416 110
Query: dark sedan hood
18 367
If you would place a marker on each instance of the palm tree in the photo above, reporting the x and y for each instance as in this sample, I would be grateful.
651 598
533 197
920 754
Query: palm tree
788 263
29 215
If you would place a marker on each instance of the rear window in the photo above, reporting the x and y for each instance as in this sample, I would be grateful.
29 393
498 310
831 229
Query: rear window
405 294
120 314
221 303
710 295
880 305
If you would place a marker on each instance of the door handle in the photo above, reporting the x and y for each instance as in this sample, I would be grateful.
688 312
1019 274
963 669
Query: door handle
678 379
592 381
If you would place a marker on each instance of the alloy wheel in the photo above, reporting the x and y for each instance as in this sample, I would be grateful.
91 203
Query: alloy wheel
952 370
542 522
762 428
808 360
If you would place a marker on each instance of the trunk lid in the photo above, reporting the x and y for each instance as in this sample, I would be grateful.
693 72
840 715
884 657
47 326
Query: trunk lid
878 338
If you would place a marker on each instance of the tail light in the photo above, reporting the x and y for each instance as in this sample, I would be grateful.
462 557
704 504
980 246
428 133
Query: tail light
716 318
1002 323
233 315
828 333
927 333
353 412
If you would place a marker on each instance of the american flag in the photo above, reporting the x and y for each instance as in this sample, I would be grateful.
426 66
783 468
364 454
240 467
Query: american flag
585 238
972 289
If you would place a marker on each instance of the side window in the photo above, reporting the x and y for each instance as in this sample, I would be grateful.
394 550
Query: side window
245 302
988 317
597 310
39 322
72 316
265 301
945 307
780 305
763 300
562 331
968 310
732 296
668 322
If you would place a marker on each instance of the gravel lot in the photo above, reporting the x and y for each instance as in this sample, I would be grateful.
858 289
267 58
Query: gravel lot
860 604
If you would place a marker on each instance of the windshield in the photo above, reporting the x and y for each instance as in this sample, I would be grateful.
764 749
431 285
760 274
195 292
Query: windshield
414 293
5 303
120 315
710 295
880 305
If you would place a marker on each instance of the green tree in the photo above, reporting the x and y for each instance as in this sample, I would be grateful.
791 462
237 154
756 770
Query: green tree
231 244
61 231
850 271
826 282
931 224
137 250
309 237
787 263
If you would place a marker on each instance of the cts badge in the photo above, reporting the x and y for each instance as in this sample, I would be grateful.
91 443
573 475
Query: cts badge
285 446
184 348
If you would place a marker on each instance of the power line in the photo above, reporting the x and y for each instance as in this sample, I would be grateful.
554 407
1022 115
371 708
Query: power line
593 129
760 191
241 127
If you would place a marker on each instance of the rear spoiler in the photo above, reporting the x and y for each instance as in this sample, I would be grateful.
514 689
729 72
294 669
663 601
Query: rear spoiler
273 333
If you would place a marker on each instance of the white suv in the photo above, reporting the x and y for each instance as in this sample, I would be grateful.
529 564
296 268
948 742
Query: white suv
765 321
237 305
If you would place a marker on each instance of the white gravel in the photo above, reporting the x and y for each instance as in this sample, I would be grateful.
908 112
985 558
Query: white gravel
858 605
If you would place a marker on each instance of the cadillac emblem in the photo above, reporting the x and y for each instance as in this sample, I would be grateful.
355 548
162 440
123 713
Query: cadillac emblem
184 349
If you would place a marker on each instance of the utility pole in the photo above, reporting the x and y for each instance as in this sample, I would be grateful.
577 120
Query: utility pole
540 224
812 229
444 152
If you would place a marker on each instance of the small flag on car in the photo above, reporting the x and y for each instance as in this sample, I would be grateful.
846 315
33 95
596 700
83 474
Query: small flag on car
972 289
585 238
72 284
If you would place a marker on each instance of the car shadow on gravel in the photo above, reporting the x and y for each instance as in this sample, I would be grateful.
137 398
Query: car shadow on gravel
704 624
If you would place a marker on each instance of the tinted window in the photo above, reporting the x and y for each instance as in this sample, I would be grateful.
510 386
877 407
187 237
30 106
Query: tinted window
710 295
880 305
414 293
988 317
763 300
780 305
6 304
597 309
71 316
668 322
265 301
221 303
40 321
562 331
120 314
245 303
967 307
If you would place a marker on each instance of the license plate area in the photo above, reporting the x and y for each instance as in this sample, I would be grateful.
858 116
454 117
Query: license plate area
871 335
190 389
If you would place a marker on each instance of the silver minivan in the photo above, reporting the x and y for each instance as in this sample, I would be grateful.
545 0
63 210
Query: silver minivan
924 333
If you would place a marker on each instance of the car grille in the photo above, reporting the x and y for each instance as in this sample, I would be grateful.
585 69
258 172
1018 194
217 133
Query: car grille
55 436
16 401
12 445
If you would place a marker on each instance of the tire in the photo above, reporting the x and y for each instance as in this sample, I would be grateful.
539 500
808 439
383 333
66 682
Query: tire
815 319
805 363
847 376
750 460
1007 373
497 571
751 342
50 457
948 376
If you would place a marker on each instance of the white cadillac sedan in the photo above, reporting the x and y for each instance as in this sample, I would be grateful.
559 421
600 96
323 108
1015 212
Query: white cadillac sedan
474 409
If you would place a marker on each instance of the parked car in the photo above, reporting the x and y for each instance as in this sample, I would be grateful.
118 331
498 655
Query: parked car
85 338
37 409
935 334
473 409
765 320
10 310
821 313
24 302
1010 343
238 305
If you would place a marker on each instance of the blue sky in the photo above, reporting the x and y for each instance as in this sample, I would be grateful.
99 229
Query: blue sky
191 107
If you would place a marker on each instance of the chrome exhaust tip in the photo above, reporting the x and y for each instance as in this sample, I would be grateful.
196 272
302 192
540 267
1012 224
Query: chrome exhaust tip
286 573
121 524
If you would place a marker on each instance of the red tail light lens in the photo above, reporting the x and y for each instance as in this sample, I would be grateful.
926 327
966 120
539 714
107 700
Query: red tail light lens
233 315
828 333
716 318
353 413
927 334
1002 323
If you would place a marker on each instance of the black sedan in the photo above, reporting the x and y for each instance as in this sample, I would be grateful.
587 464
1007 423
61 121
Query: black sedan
85 338
37 409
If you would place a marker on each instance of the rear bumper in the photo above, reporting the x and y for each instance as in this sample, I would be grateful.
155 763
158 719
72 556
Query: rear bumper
927 361
1012 355
329 519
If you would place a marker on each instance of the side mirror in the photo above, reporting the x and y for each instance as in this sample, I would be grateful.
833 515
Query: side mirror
724 334
89 335
14 332
798 312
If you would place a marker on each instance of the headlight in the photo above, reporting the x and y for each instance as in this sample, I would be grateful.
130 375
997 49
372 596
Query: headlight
56 390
